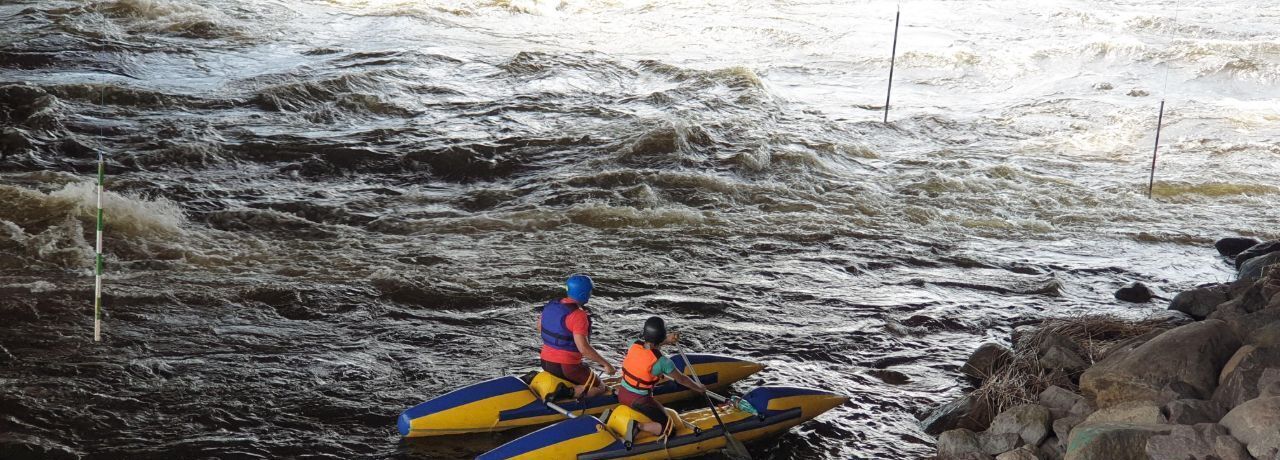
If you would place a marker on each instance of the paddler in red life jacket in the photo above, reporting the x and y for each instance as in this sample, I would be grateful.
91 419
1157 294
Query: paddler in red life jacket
643 368
565 327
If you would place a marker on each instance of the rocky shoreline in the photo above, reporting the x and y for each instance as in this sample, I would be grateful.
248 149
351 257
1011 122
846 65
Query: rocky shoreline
1201 381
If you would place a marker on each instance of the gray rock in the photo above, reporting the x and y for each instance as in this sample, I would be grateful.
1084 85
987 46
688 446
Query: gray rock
1254 267
1058 357
1256 251
1112 441
1062 402
957 444
997 443
1021 453
1256 423
1269 383
984 361
1062 429
1029 421
1135 292
1201 301
1192 354
1244 323
1239 379
1139 412
1265 336
1195 442
966 412
1193 411
1052 449
1233 246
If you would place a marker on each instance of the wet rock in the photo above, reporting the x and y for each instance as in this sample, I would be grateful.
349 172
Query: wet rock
1058 357
1062 429
1137 93
1029 421
966 412
1265 336
986 360
1232 246
959 444
1103 86
1257 250
1256 423
1205 441
1193 354
1193 411
1112 441
997 443
1239 379
1062 402
1135 292
1021 453
1201 301
1254 267
1139 412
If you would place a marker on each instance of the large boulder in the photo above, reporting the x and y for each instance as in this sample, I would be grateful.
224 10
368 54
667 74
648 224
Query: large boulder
959 444
1135 292
967 412
1193 411
1192 354
1201 301
1112 441
1029 421
1239 379
1257 250
988 358
1205 441
1062 429
998 443
1254 267
1138 412
1232 246
1021 453
1062 358
1062 402
1265 336
1256 423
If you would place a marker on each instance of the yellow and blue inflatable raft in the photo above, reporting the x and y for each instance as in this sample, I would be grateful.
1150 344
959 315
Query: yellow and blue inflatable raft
511 402
767 411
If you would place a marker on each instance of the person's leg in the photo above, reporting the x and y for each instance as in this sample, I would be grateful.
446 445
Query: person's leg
584 380
653 409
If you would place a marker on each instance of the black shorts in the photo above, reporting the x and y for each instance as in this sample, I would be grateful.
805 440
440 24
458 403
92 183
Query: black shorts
643 404
576 373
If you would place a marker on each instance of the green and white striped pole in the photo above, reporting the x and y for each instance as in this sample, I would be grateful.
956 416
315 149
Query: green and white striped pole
97 266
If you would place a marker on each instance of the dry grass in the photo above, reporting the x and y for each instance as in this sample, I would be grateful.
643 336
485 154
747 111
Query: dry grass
1022 379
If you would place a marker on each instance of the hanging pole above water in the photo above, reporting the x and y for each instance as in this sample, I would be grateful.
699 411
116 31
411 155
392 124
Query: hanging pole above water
893 54
97 264
1151 183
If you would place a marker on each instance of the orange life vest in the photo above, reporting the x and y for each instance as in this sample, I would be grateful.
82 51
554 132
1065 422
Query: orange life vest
637 367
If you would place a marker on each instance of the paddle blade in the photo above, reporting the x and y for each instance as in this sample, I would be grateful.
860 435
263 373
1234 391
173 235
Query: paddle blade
734 449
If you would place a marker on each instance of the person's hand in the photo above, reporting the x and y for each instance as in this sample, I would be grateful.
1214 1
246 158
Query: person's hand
700 388
609 370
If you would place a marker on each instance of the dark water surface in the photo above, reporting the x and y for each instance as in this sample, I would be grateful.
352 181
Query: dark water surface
321 213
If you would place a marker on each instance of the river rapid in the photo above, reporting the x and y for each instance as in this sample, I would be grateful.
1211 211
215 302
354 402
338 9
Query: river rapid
322 213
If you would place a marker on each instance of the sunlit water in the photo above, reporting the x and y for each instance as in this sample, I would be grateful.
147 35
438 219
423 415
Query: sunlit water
322 213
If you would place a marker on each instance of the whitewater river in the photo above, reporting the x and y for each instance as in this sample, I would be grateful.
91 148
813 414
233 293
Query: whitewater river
321 213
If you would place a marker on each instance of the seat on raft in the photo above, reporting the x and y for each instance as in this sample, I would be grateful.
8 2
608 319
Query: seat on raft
548 387
624 422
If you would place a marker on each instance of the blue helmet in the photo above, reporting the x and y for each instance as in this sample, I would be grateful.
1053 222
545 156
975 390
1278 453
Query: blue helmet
579 287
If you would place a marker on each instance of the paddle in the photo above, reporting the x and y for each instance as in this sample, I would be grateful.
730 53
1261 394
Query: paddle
733 447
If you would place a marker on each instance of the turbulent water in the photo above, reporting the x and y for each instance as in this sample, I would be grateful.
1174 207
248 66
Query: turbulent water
321 213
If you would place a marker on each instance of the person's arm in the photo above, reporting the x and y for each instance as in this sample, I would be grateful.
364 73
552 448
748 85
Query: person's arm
584 347
686 381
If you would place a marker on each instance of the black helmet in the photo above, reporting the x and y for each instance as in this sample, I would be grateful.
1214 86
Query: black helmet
655 331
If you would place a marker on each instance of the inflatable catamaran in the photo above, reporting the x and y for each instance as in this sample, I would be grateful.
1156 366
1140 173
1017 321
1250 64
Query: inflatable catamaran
510 402
762 412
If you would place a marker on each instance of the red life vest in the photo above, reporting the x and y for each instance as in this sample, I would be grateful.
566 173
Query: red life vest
637 367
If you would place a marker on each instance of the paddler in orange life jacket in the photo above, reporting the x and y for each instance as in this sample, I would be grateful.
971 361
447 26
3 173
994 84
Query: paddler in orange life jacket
643 368
565 328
